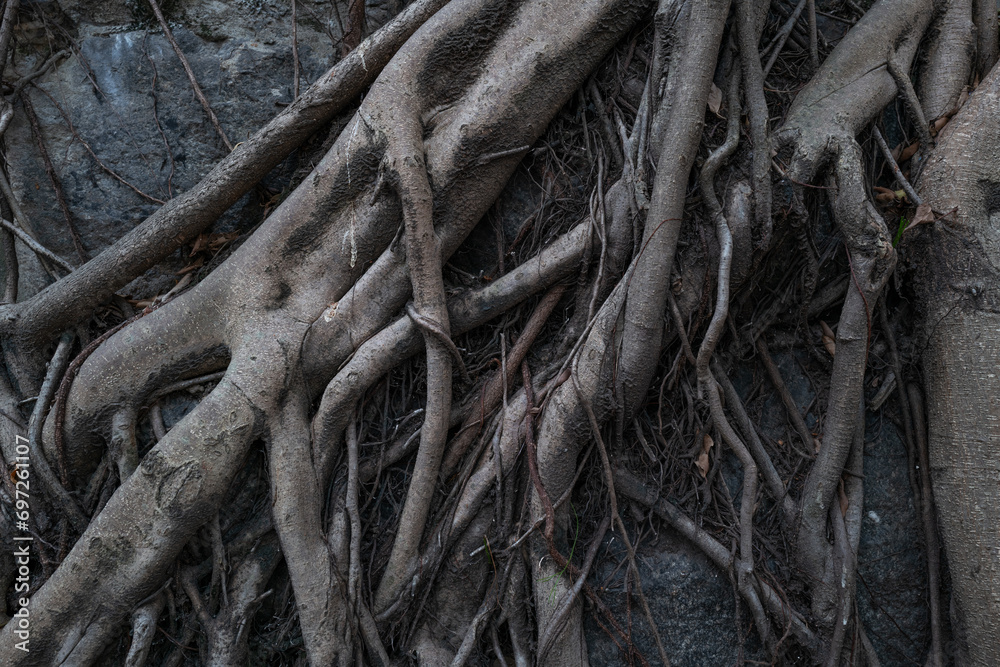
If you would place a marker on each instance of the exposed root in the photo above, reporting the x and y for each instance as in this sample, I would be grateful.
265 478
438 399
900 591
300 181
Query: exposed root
144 629
183 217
299 340
950 58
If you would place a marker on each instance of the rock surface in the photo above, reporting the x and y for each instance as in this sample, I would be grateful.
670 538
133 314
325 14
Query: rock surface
124 93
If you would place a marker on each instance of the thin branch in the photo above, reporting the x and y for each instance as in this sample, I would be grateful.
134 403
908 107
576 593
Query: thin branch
190 75
559 617
910 100
90 151
36 130
34 245
896 171
794 414
38 461
782 36
23 82
813 47
928 516
295 53
6 28
613 496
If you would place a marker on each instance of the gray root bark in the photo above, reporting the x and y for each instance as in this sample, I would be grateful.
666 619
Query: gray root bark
852 85
957 281
634 307
282 339
429 149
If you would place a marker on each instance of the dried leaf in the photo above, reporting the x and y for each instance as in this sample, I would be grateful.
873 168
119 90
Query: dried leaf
908 152
181 284
216 241
193 266
939 124
199 244
715 99
923 215
829 338
884 195
702 461
211 242
831 345
844 504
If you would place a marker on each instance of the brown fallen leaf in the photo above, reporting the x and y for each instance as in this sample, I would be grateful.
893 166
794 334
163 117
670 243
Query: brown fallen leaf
193 266
702 461
829 338
715 100
923 215
884 195
844 504
211 242
908 152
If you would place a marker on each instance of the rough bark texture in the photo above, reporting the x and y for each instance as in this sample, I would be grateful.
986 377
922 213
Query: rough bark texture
534 313
958 285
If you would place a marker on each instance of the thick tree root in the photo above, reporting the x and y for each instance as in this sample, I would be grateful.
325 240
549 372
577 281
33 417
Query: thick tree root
957 285
346 280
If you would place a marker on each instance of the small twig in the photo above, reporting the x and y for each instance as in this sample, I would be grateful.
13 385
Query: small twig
490 602
35 246
764 464
156 120
90 151
431 327
190 74
813 48
910 100
794 415
897 172
613 496
558 620
598 222
617 154
295 53
486 158
36 130
495 387
782 36
928 515
853 5
38 462
532 451
23 82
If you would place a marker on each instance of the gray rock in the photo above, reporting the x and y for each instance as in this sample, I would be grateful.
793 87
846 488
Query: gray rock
693 602
123 92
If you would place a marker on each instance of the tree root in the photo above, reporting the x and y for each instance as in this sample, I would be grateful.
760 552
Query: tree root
185 216
345 281
956 285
